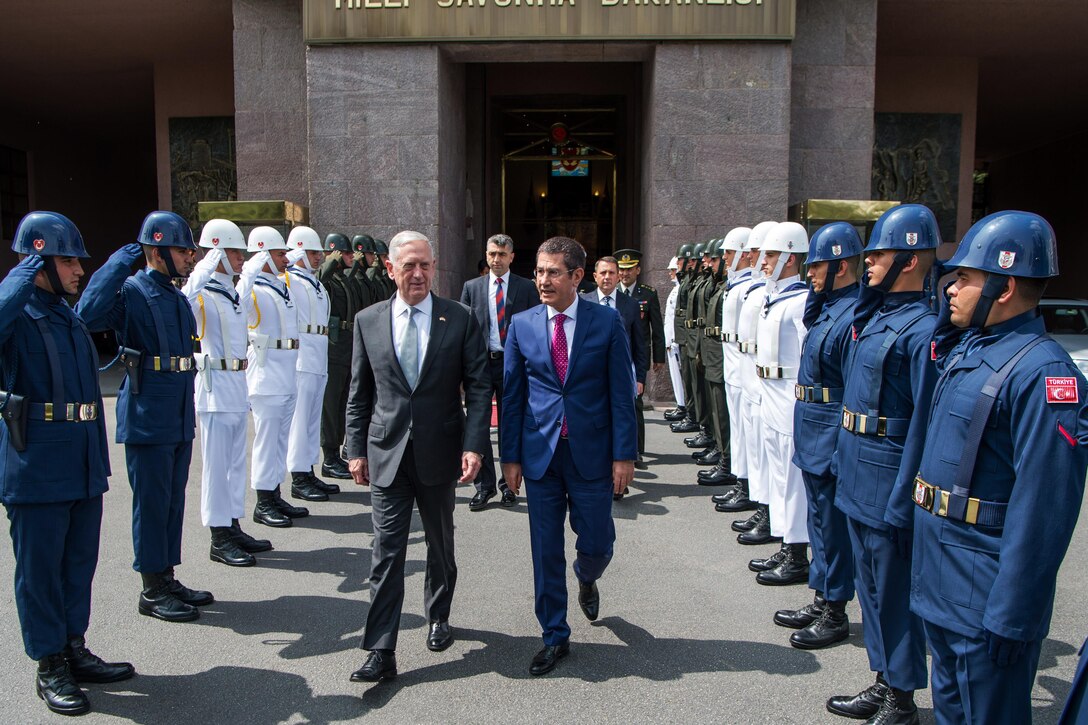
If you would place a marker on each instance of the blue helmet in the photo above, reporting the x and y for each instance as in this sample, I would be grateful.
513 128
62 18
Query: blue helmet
907 227
834 241
1009 243
166 229
48 234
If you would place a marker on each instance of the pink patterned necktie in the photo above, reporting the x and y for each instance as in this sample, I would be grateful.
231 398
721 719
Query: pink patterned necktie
559 357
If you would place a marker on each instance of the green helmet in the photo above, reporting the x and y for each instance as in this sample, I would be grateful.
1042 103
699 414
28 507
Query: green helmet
686 251
715 248
700 250
381 247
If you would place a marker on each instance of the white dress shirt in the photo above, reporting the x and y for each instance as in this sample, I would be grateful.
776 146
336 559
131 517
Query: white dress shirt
611 298
568 325
494 343
423 324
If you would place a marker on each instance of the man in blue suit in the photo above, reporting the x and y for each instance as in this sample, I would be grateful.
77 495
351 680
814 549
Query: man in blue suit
607 276
569 428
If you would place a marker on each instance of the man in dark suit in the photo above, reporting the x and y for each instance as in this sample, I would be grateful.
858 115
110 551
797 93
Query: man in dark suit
494 298
569 428
408 437
606 275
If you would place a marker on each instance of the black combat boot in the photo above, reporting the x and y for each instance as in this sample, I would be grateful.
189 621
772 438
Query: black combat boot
86 666
710 457
677 413
740 502
157 601
832 626
863 705
761 532
897 709
291 512
192 597
303 488
727 495
686 425
246 542
329 488
334 467
267 512
751 522
792 569
801 618
770 562
225 549
58 688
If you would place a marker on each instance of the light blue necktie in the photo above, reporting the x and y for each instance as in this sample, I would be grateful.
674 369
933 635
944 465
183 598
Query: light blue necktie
409 349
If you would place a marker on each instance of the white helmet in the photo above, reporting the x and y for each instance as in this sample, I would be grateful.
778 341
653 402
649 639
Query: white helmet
222 234
755 241
305 238
674 264
788 238
735 241
265 239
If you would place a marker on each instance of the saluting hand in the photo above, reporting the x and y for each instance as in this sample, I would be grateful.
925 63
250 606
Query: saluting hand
470 466
128 254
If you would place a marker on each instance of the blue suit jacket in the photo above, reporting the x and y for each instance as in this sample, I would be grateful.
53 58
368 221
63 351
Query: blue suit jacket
631 315
597 397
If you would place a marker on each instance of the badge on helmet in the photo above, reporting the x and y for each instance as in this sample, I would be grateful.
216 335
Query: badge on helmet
166 229
909 227
1011 243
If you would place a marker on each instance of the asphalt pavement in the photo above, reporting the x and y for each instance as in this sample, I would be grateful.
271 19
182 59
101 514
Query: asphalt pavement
685 634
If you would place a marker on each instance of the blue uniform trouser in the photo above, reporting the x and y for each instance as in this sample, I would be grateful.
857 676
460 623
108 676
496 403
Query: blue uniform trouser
832 568
969 687
590 504
56 552
894 638
157 474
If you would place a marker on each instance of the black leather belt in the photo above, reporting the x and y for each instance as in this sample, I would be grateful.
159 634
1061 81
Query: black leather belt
169 364
233 365
494 354
288 343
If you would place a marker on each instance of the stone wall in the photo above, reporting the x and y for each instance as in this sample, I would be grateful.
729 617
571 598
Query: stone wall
270 100
834 72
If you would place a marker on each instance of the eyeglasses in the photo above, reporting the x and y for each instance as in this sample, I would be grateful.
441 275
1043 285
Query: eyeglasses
551 274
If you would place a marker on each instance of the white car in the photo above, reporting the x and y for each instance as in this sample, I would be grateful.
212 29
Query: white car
1067 322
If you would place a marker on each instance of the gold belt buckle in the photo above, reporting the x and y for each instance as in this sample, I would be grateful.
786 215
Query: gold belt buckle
848 420
88 411
184 364
923 494
942 506
799 391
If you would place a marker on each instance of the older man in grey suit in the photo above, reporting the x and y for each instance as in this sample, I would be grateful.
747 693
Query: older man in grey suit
408 437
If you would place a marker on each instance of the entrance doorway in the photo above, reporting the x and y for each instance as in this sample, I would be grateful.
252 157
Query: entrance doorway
561 153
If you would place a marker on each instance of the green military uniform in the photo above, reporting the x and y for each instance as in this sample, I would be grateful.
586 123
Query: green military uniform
368 291
696 304
651 324
344 302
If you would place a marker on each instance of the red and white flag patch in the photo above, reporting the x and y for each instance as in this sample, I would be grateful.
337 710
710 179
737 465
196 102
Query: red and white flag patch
932 349
1062 390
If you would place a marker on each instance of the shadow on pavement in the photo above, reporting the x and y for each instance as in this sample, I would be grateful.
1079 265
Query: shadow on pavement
222 695
323 625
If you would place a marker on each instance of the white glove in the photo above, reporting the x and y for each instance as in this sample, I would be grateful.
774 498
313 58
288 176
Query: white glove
256 264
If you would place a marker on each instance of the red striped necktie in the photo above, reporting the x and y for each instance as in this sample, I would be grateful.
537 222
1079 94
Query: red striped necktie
500 311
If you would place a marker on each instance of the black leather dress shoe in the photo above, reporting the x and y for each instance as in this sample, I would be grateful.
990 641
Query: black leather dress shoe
801 618
439 637
677 413
225 549
291 512
898 708
589 599
479 501
684 426
266 511
86 666
546 659
720 477
832 626
157 601
863 705
708 458
56 686
335 468
192 597
380 665
641 464
509 498
619 496
246 542
700 441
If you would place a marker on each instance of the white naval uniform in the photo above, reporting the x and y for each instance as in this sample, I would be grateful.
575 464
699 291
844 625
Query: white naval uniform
221 398
732 358
672 350
271 378
751 390
780 332
312 303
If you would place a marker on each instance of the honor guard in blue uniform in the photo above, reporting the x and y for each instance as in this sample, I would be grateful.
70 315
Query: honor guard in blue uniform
833 257
1001 478
653 328
890 375
55 461
156 418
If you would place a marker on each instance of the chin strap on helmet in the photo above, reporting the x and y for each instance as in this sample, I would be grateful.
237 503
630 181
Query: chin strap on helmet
50 268
168 259
991 290
829 275
902 259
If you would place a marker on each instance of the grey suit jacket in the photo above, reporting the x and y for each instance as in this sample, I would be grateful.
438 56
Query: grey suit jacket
382 411
520 296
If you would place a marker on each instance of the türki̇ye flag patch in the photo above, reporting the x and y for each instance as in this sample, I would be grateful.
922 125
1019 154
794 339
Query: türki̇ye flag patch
1062 390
